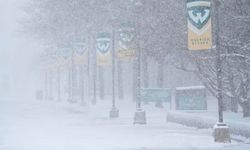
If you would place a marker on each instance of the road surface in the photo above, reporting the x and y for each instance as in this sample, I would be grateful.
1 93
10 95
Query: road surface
50 125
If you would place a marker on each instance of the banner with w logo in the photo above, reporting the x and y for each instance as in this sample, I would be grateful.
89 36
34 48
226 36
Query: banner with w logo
126 45
80 53
103 46
199 24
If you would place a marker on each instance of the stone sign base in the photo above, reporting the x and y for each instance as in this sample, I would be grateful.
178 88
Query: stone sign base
114 113
221 133
140 117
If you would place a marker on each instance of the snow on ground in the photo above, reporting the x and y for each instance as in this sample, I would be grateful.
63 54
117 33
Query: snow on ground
49 125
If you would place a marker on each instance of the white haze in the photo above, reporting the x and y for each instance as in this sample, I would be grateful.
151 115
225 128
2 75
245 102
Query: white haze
16 50
28 122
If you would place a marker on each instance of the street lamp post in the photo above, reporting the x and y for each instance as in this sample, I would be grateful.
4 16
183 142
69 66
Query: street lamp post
72 98
80 48
140 114
58 84
69 85
58 59
82 84
46 85
71 72
66 53
218 63
94 76
50 80
72 75
221 131
114 112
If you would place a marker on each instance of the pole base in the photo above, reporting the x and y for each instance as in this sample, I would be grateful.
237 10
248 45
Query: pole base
221 133
140 117
114 113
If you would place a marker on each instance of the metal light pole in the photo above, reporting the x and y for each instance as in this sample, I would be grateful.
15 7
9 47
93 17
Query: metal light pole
94 76
82 83
71 71
69 85
140 114
58 59
221 131
218 62
80 48
46 85
114 112
58 84
138 101
72 77
50 80
88 67
66 53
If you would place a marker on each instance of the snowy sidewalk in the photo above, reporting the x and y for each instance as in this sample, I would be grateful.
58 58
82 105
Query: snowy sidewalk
207 119
48 125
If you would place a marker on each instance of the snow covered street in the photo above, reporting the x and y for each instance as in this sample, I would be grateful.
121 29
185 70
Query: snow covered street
49 125
125 75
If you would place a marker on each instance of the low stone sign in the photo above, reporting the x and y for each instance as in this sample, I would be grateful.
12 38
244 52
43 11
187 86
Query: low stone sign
191 98
155 95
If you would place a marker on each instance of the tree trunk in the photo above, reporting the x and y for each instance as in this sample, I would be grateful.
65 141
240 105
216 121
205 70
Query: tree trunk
244 93
101 83
134 92
69 85
58 84
46 90
160 79
51 85
226 103
74 72
234 105
82 84
246 108
120 80
233 100
145 72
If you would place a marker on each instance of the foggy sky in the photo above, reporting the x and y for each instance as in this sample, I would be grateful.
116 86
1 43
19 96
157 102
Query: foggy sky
16 50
